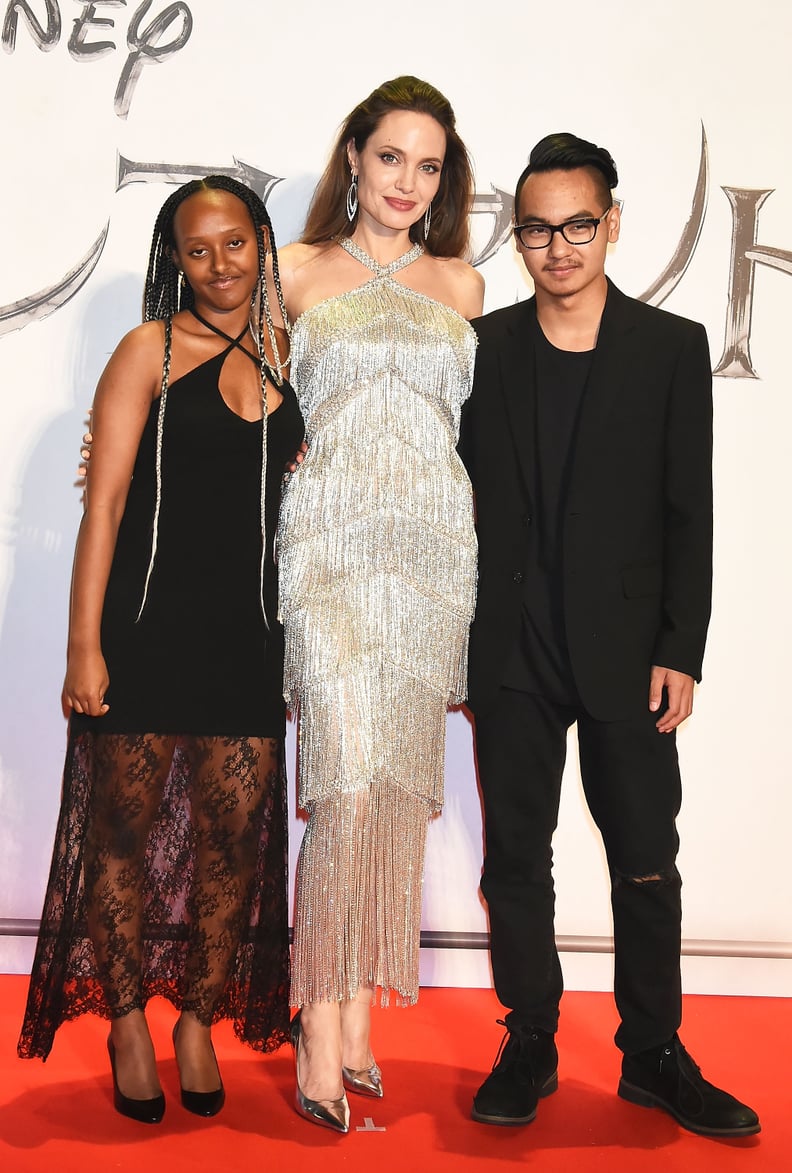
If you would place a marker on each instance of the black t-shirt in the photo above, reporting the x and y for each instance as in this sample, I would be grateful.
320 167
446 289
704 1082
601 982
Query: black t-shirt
540 663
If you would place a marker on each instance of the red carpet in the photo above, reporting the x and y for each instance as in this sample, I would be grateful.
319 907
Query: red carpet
59 1116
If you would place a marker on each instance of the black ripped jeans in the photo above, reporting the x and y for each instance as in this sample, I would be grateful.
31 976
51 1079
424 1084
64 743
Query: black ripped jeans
631 780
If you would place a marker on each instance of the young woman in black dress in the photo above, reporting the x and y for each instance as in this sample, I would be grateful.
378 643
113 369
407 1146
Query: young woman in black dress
169 867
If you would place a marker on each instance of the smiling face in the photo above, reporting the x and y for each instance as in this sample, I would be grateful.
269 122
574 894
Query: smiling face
398 169
216 248
563 270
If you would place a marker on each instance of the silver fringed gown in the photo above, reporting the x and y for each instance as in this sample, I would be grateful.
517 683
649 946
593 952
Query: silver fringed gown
377 568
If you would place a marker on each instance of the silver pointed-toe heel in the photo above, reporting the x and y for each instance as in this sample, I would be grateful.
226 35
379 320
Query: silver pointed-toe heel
329 1113
366 1082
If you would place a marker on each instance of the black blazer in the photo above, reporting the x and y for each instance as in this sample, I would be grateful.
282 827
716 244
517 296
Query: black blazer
637 527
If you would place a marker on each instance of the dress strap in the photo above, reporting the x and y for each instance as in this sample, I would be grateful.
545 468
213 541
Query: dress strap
235 342
350 246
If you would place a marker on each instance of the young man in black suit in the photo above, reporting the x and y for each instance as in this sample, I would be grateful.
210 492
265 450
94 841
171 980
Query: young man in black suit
588 441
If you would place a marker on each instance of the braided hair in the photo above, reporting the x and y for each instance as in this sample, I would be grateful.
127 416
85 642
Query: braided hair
166 292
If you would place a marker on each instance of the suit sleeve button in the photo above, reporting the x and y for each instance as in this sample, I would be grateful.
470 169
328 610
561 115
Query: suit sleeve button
518 576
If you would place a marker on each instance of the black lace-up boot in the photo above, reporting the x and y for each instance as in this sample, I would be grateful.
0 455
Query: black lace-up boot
525 1070
666 1077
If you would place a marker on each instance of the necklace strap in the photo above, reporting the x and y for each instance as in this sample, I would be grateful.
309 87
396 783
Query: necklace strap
235 342
353 248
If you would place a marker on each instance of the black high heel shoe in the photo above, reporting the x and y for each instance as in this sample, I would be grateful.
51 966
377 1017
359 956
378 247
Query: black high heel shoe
144 1111
329 1113
200 1103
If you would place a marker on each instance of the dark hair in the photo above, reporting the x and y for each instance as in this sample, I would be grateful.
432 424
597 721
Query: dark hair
567 152
166 292
450 229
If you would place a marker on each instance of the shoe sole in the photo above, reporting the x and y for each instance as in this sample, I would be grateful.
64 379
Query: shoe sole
548 1087
644 1099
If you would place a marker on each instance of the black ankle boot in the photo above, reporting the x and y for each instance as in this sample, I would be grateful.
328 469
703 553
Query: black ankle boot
666 1077
525 1071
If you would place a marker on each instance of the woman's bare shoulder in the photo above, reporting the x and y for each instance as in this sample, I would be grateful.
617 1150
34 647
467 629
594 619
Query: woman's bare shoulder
145 333
306 273
293 258
143 341
134 371
463 285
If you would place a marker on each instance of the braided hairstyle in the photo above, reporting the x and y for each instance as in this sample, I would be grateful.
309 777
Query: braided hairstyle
166 292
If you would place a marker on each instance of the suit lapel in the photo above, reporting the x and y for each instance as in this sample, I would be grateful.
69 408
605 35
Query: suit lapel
518 381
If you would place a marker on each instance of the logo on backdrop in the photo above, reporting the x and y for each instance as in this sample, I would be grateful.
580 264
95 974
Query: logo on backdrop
735 361
90 40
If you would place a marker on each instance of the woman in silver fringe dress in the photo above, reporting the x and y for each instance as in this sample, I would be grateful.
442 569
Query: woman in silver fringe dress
377 562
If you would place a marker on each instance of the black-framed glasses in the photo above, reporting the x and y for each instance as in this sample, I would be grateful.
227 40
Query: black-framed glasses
579 231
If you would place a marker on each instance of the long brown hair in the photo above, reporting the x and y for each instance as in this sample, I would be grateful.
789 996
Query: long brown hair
449 235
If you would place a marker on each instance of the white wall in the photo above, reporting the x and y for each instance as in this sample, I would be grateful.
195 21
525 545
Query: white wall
268 85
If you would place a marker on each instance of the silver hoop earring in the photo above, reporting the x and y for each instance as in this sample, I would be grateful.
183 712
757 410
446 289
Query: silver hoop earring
352 199
427 220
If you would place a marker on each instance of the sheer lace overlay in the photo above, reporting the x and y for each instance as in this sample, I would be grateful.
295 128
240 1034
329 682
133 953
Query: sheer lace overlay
168 878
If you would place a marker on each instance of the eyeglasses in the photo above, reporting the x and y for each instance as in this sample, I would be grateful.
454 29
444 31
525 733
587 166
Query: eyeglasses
573 231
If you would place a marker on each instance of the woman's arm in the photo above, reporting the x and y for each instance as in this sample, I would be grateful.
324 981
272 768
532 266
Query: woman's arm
121 406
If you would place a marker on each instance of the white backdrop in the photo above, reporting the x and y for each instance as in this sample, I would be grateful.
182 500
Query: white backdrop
87 110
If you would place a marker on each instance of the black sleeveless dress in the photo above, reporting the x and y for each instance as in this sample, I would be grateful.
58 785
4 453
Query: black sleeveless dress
200 661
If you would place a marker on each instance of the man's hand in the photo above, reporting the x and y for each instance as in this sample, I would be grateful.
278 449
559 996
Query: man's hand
679 687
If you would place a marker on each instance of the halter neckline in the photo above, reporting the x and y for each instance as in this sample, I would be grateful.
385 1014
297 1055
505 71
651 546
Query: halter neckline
353 248
234 342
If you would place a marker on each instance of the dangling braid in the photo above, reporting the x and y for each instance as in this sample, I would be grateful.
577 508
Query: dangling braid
160 425
166 292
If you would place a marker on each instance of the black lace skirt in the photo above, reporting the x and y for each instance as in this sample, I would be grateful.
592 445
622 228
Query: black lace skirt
65 980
